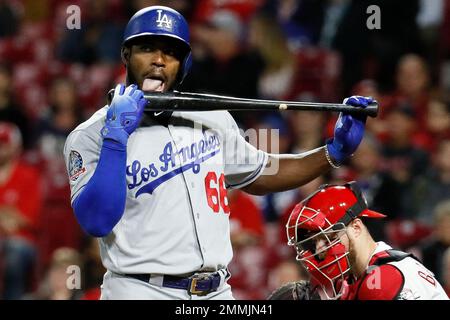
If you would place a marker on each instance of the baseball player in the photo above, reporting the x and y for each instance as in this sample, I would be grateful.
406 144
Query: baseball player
152 186
343 259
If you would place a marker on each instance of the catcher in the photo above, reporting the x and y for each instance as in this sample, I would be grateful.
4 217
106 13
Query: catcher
343 260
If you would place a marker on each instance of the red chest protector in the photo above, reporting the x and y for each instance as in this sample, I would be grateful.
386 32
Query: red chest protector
381 281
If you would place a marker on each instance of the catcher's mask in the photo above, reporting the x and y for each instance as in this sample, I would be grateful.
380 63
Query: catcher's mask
315 227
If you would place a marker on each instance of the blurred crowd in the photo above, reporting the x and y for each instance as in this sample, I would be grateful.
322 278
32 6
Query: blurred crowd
52 78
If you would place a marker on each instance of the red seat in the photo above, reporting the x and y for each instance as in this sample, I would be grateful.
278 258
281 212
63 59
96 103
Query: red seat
406 233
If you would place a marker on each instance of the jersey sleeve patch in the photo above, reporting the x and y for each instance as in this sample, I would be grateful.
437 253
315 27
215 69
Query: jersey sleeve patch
381 283
76 167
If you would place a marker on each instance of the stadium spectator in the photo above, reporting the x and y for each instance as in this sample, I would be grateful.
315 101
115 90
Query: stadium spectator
93 270
62 281
64 114
97 40
248 266
9 19
301 21
246 219
223 69
437 123
413 86
392 41
446 269
432 251
370 88
431 187
244 9
380 189
402 161
229 69
430 18
308 130
280 69
274 204
10 111
378 50
185 7
20 207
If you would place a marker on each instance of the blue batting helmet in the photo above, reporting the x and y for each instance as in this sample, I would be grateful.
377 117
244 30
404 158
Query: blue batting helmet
161 21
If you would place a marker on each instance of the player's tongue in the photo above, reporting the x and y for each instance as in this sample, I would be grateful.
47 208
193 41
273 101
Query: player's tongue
153 85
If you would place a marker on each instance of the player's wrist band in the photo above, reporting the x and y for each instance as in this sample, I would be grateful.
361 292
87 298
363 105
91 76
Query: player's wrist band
332 164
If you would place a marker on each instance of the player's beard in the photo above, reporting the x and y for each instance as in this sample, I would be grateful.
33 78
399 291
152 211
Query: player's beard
161 116
131 79
351 256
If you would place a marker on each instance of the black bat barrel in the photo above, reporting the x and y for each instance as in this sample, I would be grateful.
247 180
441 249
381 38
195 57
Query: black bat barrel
184 101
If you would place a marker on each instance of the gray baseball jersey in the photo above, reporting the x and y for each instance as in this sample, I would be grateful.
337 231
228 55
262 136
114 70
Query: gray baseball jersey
176 218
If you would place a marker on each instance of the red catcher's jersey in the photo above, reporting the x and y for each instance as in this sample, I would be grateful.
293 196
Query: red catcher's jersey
402 278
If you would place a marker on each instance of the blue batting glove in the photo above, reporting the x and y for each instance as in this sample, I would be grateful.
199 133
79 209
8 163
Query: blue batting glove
124 113
348 131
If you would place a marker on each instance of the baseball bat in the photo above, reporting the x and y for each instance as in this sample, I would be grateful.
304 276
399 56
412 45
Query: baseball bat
186 101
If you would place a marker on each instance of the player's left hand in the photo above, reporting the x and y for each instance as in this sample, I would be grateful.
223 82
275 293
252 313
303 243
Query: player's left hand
348 131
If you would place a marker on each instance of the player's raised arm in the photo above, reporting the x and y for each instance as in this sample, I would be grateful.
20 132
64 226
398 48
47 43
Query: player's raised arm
101 203
296 170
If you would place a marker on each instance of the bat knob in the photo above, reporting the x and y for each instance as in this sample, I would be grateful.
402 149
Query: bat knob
109 96
372 109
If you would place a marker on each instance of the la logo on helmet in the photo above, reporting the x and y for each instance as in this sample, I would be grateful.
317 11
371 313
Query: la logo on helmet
163 21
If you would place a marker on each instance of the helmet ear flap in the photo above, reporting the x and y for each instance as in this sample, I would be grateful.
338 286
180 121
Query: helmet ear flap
185 67
125 54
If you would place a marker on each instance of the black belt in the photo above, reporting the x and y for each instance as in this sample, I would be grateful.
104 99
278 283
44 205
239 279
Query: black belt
197 284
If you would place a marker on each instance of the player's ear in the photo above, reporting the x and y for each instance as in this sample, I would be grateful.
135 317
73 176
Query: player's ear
125 53
357 227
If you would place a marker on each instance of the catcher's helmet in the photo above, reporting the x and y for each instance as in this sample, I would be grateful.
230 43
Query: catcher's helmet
314 228
161 21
